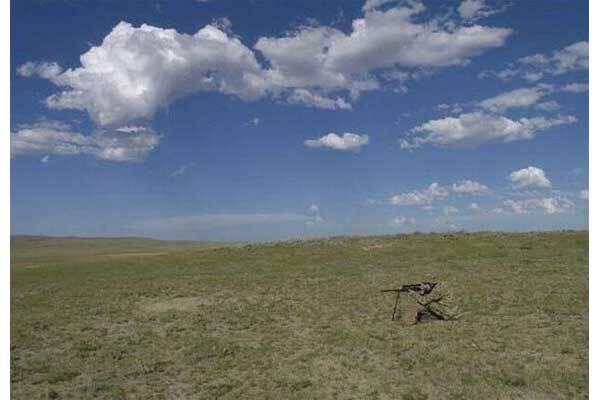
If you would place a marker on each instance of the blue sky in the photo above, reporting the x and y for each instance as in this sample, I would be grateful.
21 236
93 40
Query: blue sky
266 120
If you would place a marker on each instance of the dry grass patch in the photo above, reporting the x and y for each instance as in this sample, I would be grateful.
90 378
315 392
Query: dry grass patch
185 304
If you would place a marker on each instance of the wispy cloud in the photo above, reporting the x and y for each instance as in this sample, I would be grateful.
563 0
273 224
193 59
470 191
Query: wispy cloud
181 170
532 68
52 137
476 9
403 221
473 129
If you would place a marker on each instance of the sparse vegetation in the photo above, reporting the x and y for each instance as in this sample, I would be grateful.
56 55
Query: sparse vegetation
298 320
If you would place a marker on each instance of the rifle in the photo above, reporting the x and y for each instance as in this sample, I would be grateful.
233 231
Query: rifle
405 289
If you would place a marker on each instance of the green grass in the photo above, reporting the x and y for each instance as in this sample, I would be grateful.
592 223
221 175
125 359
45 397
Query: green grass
297 320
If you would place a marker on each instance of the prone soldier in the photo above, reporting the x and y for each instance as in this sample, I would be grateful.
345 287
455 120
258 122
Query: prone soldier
435 300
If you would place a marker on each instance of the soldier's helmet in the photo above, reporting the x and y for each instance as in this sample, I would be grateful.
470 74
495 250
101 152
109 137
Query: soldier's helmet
430 277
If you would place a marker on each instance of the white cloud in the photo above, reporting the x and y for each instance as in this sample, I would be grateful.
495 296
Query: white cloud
253 122
181 170
44 70
469 8
395 75
345 142
400 221
53 137
452 108
313 215
576 87
549 205
473 206
571 58
532 76
534 67
332 59
308 98
475 9
517 207
448 210
137 71
470 187
548 106
421 197
522 97
393 39
474 129
584 194
373 4
529 177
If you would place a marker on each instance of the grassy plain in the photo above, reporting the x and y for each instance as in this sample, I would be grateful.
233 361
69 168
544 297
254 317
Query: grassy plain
144 319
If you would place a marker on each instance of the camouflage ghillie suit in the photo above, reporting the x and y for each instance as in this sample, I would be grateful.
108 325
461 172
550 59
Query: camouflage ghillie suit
437 304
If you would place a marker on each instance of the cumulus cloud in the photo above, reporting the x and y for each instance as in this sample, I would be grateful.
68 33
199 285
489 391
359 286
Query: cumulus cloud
470 187
522 97
51 137
393 39
574 57
584 194
136 71
529 177
345 142
474 129
400 221
420 197
549 205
